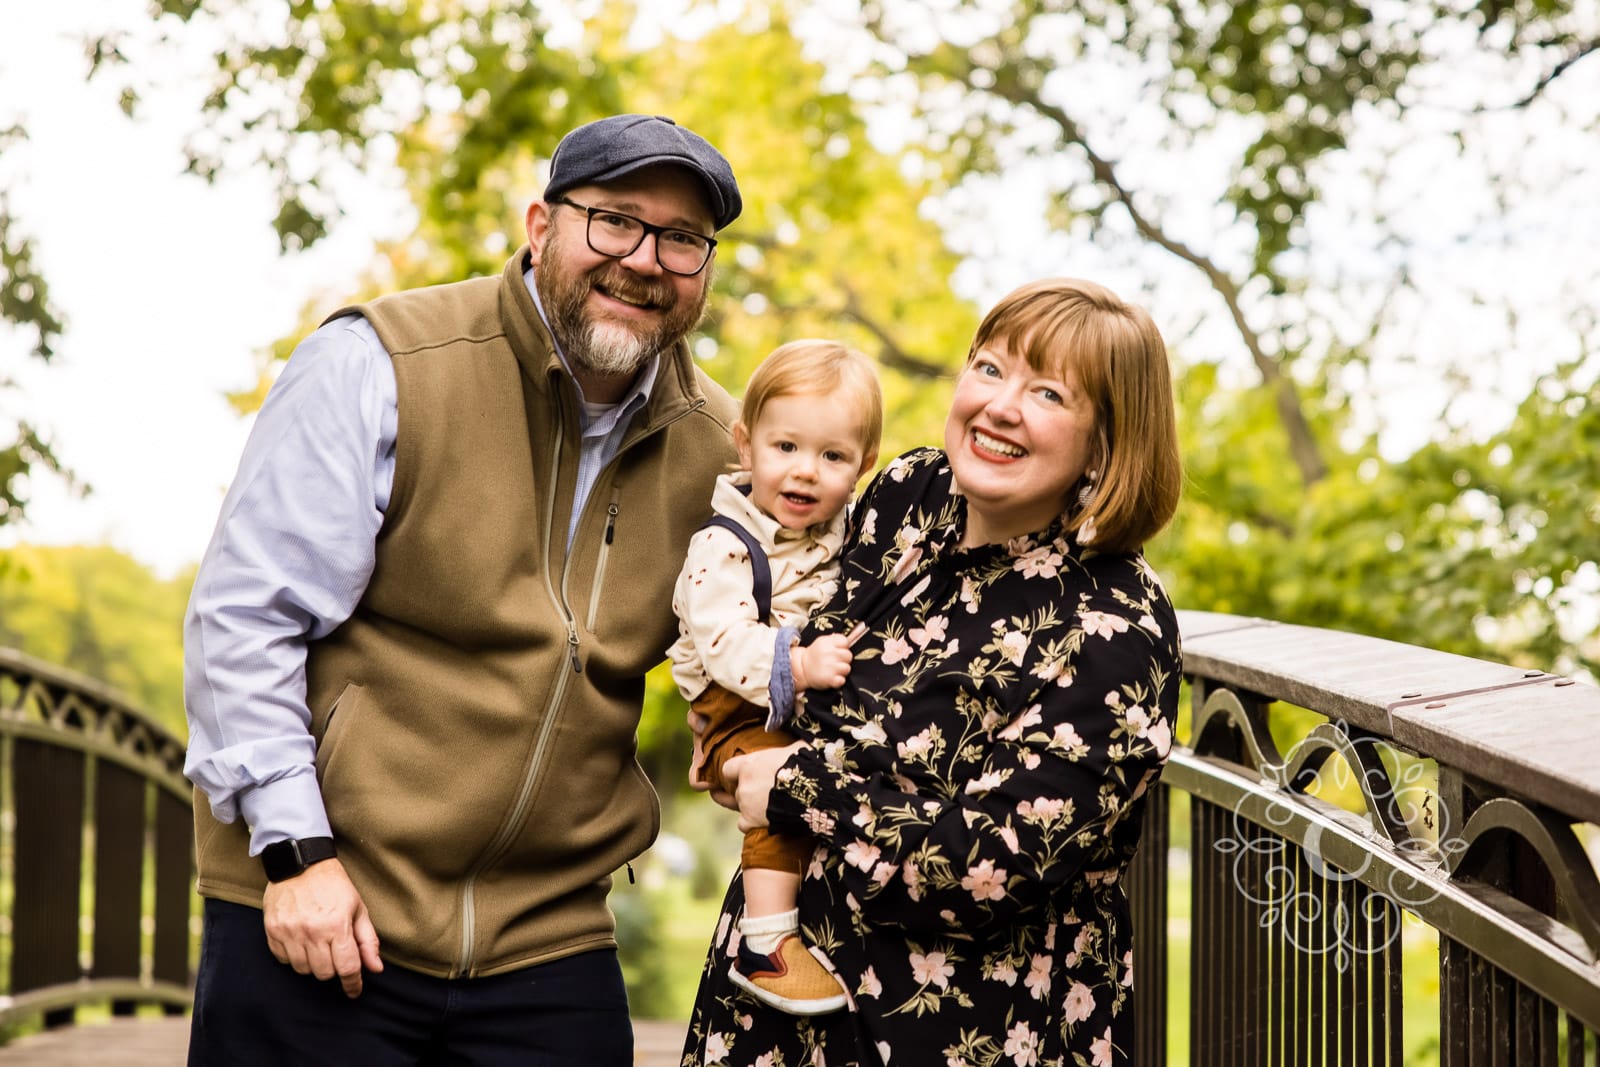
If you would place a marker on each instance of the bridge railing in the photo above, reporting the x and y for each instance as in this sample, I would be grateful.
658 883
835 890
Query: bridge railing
96 849
1470 787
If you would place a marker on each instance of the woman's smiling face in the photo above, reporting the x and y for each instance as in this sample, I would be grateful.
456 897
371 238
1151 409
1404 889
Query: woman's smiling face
1018 440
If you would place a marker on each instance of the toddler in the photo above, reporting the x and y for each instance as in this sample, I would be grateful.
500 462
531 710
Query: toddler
807 431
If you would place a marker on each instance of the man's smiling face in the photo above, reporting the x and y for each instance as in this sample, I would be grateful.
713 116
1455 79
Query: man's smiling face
611 315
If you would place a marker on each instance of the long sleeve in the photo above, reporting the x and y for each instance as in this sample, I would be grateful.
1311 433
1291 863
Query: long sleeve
717 616
1044 807
289 560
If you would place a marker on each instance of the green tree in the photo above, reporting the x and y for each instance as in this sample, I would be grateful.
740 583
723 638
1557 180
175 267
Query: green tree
26 307
1253 166
103 614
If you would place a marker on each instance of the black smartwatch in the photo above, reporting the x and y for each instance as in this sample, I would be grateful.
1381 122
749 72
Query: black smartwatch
285 859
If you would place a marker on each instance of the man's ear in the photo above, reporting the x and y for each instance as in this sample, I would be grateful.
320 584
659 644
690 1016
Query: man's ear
537 222
741 442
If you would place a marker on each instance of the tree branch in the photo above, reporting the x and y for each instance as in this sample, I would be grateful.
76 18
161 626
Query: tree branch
1302 442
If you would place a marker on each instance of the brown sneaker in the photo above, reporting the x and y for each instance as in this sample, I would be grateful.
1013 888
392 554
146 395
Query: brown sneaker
789 978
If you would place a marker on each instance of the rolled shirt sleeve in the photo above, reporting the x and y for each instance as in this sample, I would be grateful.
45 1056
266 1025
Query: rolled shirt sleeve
290 558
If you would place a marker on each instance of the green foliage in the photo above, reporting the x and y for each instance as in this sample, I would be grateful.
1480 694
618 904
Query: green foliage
102 614
24 304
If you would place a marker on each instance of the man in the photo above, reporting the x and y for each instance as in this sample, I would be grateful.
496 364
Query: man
416 645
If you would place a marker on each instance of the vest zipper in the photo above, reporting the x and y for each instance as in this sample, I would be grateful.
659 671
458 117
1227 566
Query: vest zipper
612 510
508 828
558 691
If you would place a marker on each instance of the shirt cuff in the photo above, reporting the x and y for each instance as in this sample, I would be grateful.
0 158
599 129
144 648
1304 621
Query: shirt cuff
284 808
805 783
780 689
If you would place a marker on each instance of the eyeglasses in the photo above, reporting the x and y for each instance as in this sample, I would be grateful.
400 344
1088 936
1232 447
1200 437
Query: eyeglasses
611 233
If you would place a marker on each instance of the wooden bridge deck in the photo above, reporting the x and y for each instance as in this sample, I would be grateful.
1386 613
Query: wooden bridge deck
157 1042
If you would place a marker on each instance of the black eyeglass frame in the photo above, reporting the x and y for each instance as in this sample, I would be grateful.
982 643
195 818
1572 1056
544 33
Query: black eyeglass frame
649 229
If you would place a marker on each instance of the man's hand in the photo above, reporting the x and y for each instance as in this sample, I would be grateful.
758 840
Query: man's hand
317 923
823 664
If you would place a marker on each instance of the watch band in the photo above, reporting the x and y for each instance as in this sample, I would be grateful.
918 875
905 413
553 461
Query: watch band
285 859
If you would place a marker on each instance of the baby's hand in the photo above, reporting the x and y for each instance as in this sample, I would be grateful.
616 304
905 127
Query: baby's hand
823 664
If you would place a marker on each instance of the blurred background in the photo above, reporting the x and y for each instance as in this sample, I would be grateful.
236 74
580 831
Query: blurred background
1369 230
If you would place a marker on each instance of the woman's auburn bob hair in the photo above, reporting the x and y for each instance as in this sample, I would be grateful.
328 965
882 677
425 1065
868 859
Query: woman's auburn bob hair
1116 354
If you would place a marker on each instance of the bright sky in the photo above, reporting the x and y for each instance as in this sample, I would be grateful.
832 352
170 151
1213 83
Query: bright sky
169 287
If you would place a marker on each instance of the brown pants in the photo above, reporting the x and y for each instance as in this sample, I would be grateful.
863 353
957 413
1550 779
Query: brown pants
738 726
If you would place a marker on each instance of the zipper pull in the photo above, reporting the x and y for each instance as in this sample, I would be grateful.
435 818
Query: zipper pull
572 646
611 521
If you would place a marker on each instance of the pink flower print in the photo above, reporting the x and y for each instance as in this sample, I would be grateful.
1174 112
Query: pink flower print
819 822
1160 735
869 526
985 881
863 817
1100 1050
1013 646
932 631
765 1060
911 875
817 871
1100 624
895 649
1042 810
969 596
1053 670
872 731
1013 730
907 537
1068 740
745 1021
722 926
1150 624
898 469
1022 1045
931 969
917 746
984 783
882 873
1009 836
1050 938
1079 1004
716 1047
1127 965
1038 980
1042 562
861 855
870 986
1005 971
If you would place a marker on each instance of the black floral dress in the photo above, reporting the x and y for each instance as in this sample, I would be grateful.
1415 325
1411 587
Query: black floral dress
975 790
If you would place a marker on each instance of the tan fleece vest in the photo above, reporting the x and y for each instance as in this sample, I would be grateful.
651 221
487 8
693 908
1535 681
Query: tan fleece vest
476 717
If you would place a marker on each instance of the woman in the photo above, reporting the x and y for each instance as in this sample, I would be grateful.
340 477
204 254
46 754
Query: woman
975 788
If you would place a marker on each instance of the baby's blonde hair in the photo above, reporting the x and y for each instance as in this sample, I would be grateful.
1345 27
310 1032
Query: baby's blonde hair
822 368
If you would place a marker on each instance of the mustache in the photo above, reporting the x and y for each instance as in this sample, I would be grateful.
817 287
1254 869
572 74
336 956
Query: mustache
621 282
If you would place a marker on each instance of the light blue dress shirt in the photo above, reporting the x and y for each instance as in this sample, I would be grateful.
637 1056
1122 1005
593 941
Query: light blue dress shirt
290 558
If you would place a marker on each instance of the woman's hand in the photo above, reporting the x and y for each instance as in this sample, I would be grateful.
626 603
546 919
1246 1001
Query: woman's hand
751 777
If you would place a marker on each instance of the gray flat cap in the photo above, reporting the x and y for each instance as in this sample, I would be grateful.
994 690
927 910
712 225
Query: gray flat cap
611 147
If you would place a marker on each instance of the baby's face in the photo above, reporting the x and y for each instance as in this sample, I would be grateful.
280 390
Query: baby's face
804 456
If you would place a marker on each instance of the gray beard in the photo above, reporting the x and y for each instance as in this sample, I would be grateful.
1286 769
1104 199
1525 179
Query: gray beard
607 348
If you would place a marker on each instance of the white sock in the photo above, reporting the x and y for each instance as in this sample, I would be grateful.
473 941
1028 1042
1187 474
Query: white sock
763 932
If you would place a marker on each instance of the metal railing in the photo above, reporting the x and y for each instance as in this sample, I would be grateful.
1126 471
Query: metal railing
96 849
1469 785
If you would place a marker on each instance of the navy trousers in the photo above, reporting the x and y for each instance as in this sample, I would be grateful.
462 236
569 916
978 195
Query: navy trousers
249 1009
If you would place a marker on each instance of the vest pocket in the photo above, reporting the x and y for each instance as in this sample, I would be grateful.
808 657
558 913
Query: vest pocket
345 706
